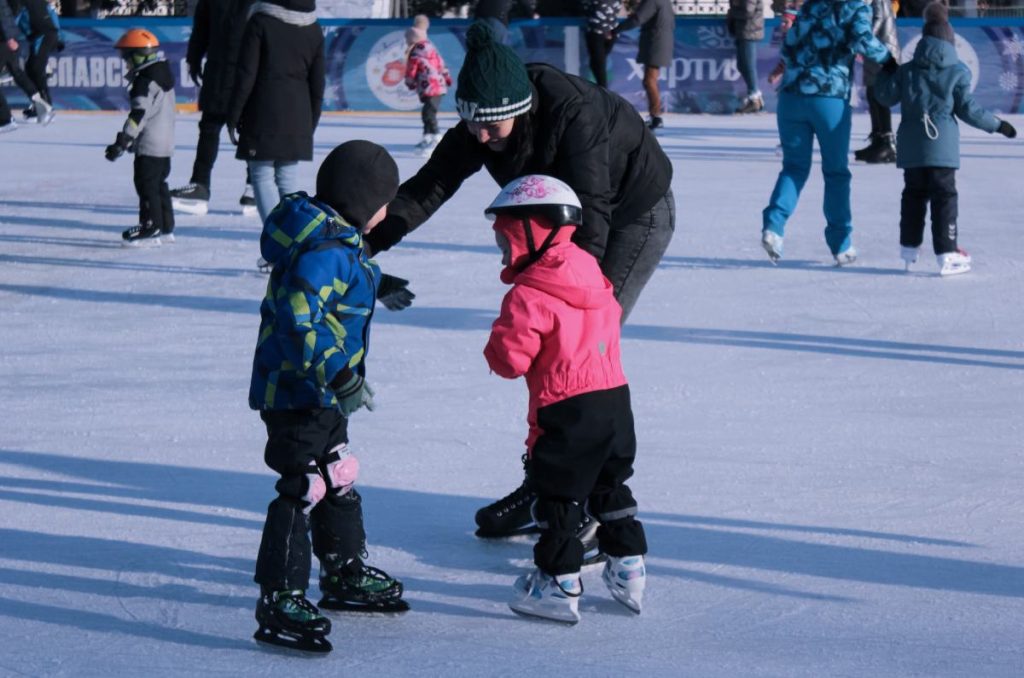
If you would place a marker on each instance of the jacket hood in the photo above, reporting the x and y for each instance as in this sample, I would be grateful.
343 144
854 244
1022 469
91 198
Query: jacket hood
567 272
298 222
935 53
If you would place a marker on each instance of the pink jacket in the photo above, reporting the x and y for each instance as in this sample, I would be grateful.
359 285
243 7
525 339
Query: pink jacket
425 72
559 326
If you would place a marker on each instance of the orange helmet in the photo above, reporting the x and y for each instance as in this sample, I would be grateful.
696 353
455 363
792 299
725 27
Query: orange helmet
137 38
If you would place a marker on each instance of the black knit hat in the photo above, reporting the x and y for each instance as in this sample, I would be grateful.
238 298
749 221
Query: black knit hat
357 178
493 84
936 22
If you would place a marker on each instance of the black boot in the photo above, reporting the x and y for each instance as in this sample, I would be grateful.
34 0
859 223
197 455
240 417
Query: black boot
357 587
511 514
881 151
287 619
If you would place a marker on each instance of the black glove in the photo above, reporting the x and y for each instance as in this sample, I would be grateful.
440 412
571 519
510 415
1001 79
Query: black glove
121 144
890 65
394 293
195 71
1006 129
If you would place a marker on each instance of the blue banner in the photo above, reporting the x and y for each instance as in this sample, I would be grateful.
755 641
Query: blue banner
365 62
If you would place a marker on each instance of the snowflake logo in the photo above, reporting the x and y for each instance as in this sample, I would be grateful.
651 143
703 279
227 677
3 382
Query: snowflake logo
1014 49
1008 81
714 37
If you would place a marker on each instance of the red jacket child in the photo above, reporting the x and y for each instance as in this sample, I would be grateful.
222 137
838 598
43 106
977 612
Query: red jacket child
425 72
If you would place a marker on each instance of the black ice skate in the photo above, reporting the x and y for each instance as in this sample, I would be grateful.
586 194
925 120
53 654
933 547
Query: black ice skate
191 199
288 620
248 203
587 534
357 587
142 235
508 516
881 150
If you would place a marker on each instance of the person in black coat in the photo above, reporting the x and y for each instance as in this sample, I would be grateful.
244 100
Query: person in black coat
496 14
216 34
9 60
534 119
277 95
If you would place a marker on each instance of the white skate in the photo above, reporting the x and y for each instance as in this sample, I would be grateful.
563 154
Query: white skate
541 595
954 263
909 256
626 579
772 244
847 256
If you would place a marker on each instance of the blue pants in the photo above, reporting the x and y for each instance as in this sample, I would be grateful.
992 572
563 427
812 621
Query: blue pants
746 61
801 119
271 181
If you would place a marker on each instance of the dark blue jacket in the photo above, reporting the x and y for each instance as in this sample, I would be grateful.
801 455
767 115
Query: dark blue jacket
933 90
315 318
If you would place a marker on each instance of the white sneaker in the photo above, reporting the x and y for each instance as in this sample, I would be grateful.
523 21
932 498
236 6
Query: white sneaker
847 256
772 244
908 255
954 263
541 595
626 579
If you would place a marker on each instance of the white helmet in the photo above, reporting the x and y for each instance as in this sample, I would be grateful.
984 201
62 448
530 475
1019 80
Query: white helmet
537 194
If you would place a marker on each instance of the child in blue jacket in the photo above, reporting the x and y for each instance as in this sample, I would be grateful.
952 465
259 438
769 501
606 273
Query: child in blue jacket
933 90
309 376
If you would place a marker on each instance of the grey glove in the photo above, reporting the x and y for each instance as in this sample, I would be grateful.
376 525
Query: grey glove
353 394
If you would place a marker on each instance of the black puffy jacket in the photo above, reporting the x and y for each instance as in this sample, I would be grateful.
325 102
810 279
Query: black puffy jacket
216 35
588 137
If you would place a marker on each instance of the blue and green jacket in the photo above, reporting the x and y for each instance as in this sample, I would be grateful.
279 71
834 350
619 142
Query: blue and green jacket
933 90
315 318
819 49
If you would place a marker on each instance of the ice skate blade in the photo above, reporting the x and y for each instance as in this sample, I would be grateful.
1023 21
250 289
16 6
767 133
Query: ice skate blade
250 211
142 243
196 207
313 645
534 616
954 270
396 606
518 532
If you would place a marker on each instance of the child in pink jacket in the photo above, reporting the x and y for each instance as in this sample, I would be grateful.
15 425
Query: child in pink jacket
426 74
559 326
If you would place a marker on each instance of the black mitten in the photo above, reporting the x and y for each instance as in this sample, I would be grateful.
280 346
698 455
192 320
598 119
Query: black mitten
121 144
1006 129
394 292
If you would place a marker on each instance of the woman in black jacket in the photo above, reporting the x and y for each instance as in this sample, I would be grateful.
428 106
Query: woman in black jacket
535 119
278 91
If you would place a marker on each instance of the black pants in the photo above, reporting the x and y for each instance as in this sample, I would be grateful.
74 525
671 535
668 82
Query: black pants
154 196
299 443
429 114
35 67
9 60
937 186
585 456
881 116
598 48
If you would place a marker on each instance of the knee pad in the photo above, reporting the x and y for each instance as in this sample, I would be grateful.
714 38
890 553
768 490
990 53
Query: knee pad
341 469
316 488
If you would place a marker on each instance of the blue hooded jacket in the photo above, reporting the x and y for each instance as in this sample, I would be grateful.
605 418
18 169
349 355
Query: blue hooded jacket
933 90
820 47
315 318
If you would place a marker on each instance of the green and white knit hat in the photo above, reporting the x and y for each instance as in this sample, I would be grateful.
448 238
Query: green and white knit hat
493 84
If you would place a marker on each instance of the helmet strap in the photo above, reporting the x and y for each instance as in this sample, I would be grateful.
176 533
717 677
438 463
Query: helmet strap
537 252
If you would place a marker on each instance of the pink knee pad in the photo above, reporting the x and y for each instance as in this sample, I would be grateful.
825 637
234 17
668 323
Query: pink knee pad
316 491
342 469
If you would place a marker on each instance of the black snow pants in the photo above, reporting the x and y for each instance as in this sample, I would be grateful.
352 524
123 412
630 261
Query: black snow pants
154 197
9 61
582 462
299 447
937 186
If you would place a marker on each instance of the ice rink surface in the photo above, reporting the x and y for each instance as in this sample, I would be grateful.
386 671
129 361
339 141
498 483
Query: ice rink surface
830 466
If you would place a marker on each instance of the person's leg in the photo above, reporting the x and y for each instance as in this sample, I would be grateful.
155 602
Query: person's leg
5 110
263 186
166 209
945 208
148 177
797 138
9 58
913 206
831 118
634 251
35 66
597 52
210 126
881 115
286 177
746 63
651 88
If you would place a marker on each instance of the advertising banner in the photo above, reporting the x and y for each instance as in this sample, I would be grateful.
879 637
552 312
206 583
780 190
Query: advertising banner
366 62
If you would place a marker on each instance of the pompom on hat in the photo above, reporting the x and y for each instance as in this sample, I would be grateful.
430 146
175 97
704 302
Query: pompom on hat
936 23
493 84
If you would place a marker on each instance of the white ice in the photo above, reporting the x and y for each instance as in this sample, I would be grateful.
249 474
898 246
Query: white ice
830 460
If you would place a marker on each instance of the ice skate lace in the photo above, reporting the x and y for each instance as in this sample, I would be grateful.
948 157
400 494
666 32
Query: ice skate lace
519 496
295 605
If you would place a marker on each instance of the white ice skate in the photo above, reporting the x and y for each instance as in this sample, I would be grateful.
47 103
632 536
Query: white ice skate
954 263
626 579
43 108
772 244
248 202
541 595
846 257
909 256
426 147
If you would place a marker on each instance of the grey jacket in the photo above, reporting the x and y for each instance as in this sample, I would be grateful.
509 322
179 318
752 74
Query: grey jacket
933 90
150 122
883 25
657 21
746 19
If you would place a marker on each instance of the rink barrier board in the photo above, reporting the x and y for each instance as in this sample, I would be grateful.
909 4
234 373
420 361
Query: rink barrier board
365 62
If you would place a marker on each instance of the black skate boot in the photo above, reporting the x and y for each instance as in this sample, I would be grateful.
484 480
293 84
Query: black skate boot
511 514
357 587
587 534
287 619
191 198
142 235
248 203
883 151
655 123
